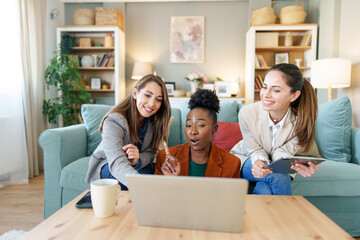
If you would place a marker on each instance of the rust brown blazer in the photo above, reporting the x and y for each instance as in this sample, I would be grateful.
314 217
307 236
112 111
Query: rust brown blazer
221 163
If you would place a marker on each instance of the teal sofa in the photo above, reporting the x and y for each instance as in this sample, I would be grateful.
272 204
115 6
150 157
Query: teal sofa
334 189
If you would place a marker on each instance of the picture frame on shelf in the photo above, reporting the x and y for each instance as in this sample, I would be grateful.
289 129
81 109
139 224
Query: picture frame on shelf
170 87
281 57
223 89
95 83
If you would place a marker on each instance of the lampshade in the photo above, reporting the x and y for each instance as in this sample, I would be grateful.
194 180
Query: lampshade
331 73
141 69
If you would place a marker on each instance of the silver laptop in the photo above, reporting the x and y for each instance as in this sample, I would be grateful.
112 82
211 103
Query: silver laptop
214 204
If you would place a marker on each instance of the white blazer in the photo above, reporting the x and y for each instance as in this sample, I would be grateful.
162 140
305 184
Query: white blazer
255 129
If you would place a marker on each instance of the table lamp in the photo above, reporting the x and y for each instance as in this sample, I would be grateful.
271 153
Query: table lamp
141 69
331 73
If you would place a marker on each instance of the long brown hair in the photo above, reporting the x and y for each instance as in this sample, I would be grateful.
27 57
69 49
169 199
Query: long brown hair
304 107
128 109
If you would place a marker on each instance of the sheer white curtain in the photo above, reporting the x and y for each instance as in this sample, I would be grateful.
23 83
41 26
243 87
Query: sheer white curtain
32 35
21 89
13 151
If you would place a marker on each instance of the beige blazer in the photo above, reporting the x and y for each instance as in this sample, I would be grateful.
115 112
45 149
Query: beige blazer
254 125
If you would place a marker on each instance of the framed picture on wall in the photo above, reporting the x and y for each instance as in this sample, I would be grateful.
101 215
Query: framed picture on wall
281 58
95 83
170 87
187 39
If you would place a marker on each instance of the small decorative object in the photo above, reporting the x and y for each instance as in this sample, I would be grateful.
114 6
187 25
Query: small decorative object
265 15
196 80
87 61
95 59
112 16
281 58
98 45
108 40
95 83
170 87
189 94
298 62
84 16
288 39
223 89
105 84
179 93
85 42
209 86
187 39
292 14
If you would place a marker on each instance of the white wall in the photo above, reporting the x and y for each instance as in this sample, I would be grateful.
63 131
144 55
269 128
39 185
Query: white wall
147 36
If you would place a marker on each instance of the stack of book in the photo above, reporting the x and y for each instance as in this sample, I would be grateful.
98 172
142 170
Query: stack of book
305 40
107 60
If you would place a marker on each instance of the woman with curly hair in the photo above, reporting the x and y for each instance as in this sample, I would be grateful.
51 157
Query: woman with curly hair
199 156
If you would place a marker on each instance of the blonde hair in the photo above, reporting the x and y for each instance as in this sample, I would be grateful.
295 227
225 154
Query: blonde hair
128 109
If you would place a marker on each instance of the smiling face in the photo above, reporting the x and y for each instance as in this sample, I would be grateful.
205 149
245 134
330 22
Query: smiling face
148 99
199 128
276 95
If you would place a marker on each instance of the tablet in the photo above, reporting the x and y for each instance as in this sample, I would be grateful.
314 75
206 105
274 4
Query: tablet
283 165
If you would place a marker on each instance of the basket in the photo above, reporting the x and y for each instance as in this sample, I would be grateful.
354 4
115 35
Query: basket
83 16
292 17
263 16
291 9
112 16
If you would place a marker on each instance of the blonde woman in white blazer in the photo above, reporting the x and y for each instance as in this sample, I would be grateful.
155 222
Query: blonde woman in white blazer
277 127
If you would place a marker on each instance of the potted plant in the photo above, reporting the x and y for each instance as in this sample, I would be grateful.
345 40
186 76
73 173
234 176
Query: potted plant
196 80
63 73
105 84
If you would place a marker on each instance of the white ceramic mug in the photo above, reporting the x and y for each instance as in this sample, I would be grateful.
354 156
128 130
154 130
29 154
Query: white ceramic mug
104 195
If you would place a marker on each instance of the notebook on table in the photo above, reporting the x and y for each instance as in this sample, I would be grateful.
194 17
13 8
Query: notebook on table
214 204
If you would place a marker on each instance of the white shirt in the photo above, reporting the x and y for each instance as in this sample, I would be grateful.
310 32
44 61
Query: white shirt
274 128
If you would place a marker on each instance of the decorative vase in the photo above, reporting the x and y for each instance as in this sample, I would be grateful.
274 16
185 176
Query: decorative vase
108 40
288 39
194 85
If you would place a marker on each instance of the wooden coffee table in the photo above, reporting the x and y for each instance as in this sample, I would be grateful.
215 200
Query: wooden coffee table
266 217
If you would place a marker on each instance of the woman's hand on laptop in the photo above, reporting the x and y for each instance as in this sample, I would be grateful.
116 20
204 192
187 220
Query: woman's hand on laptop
171 166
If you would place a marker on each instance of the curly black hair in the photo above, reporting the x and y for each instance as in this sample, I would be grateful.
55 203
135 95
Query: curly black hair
207 100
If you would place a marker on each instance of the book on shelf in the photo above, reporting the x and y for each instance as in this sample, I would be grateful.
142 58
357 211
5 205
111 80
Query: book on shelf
305 40
262 61
101 60
258 83
261 80
108 56
257 64
110 63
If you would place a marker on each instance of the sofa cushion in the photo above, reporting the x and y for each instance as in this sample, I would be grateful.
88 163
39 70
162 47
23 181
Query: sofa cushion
228 113
92 115
227 135
73 175
332 179
333 129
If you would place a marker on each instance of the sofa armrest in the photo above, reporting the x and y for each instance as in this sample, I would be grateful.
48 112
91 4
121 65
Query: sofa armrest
61 146
355 145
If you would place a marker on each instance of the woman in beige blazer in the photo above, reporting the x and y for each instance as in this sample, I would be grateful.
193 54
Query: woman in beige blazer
277 127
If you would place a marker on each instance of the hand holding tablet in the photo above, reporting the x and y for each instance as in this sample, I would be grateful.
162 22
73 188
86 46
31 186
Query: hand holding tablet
284 165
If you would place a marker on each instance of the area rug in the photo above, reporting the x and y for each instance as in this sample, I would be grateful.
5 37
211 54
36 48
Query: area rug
13 235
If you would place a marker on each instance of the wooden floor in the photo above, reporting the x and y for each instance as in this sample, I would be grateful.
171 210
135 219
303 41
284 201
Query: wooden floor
22 206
